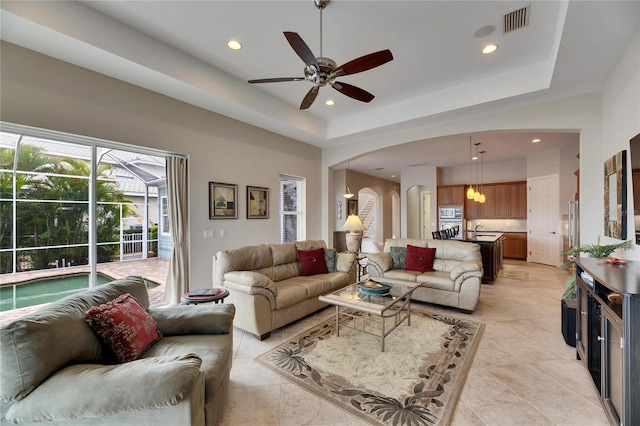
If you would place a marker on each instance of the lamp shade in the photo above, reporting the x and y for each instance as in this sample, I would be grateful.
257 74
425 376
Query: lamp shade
353 224
470 193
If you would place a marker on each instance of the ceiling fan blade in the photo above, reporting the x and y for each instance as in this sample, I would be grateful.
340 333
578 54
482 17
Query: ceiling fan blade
276 80
363 63
309 98
302 49
353 91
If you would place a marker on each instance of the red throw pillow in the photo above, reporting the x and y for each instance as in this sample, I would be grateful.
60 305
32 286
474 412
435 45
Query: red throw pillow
312 261
420 259
124 327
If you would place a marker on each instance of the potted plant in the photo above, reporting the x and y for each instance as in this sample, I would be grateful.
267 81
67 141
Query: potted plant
569 297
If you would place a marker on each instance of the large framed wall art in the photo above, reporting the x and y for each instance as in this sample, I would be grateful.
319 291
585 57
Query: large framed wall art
615 196
257 202
223 200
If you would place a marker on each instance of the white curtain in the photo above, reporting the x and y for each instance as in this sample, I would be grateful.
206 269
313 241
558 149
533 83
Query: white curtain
177 193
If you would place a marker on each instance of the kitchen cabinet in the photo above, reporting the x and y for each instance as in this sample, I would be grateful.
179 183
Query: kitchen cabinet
515 245
506 200
451 195
501 200
608 334
518 200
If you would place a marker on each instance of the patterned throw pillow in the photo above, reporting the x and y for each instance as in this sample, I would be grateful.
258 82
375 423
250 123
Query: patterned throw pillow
420 259
399 257
312 261
330 259
124 327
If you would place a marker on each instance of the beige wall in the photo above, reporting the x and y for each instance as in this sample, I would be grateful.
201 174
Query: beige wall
47 93
620 122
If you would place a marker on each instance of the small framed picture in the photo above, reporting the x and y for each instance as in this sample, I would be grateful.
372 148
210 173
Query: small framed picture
352 207
223 200
257 202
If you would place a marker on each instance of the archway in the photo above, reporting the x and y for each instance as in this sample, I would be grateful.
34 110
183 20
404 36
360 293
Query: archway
371 212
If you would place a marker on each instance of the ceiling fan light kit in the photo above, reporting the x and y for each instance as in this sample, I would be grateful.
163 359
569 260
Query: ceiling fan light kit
322 70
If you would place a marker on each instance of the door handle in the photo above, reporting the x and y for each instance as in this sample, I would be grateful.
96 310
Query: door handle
553 232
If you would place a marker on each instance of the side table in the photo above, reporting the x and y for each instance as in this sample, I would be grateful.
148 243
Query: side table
362 260
205 295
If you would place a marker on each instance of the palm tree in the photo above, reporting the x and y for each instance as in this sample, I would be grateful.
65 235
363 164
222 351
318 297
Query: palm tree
41 224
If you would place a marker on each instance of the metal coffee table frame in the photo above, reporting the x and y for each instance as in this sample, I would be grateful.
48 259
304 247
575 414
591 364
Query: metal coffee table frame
396 306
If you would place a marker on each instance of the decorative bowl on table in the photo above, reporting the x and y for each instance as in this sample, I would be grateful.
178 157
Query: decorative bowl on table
375 288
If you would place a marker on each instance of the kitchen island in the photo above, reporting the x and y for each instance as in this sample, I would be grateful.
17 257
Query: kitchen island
491 250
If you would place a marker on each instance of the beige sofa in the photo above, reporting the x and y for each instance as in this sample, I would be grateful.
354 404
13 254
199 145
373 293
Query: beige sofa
266 285
457 278
55 371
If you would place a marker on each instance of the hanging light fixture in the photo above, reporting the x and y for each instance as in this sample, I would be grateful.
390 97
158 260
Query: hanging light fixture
470 191
482 197
348 194
476 195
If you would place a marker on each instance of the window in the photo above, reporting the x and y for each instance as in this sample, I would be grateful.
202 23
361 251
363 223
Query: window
50 215
292 202
164 218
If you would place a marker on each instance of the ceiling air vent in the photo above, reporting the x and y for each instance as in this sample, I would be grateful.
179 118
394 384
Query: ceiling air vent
516 19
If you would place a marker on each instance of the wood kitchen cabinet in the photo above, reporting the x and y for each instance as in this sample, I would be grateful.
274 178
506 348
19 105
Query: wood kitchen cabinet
451 195
515 245
518 200
506 200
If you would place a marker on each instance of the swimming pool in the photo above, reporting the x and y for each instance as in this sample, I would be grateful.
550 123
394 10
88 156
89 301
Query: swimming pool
47 290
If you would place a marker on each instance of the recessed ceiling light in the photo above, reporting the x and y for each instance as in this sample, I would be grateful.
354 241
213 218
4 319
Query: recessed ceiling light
329 102
489 48
536 140
485 31
393 176
234 45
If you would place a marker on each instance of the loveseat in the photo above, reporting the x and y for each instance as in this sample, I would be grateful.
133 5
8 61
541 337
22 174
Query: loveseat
269 285
454 281
55 370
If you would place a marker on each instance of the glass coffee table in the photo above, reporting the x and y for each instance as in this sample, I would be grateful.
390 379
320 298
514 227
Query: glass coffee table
379 305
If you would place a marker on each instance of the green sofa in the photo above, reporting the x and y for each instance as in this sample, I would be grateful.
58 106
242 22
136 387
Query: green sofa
55 371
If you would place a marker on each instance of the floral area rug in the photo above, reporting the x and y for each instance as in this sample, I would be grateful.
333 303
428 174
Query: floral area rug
416 381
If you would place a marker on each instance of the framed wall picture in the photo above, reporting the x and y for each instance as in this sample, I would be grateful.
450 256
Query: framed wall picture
352 207
223 201
615 196
257 202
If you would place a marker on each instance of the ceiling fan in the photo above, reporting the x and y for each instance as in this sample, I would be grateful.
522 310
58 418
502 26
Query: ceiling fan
322 71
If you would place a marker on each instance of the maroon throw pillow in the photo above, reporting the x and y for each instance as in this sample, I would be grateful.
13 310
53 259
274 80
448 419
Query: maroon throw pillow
420 259
124 327
312 261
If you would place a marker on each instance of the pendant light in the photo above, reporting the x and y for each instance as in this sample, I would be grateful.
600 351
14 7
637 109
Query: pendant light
470 191
348 194
482 197
476 195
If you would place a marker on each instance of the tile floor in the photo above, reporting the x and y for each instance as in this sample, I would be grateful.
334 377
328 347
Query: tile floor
522 374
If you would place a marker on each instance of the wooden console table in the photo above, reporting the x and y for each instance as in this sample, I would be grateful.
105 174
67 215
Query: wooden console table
608 334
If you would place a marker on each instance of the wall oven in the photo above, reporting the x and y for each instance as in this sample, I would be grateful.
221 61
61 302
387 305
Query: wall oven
452 224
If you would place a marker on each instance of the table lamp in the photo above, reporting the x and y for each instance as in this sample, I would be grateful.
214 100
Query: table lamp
352 225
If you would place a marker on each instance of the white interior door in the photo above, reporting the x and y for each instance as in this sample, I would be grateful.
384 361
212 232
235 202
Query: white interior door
544 236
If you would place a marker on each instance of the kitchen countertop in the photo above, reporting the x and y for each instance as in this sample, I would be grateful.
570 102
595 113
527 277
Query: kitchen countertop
482 237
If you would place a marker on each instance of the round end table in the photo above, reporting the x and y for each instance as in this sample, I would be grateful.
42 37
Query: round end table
204 295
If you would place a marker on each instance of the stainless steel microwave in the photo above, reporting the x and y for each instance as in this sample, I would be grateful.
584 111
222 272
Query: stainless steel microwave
450 212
